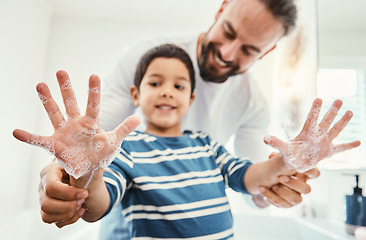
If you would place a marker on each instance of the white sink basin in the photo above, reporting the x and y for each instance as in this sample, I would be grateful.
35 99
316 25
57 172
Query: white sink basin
29 225
256 227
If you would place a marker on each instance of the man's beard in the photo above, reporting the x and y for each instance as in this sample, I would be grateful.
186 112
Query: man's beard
209 73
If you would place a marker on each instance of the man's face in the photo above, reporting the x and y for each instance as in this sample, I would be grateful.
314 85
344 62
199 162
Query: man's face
242 33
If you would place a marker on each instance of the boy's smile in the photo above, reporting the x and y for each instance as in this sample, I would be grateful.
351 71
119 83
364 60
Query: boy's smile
165 107
164 96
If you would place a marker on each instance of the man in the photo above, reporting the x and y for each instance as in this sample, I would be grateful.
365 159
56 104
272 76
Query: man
227 102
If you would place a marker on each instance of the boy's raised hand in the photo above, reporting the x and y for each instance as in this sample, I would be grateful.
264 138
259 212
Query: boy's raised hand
79 143
314 142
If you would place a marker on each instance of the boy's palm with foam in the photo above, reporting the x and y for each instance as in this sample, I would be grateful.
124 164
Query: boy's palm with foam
79 143
314 143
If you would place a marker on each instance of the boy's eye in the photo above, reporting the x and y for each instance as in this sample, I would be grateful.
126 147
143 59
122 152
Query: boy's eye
179 87
154 84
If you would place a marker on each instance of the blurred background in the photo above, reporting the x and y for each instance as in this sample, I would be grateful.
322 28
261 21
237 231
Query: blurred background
324 57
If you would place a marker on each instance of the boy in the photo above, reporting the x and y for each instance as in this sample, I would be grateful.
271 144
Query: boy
170 184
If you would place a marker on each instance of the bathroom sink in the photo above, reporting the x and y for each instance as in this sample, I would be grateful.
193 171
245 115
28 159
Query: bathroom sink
258 227
29 225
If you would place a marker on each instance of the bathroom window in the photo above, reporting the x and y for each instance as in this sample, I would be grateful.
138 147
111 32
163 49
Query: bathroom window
349 86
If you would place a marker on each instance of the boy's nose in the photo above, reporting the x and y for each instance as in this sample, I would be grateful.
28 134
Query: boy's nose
166 93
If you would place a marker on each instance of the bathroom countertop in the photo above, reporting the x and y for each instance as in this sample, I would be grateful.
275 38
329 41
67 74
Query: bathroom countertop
256 227
334 226
29 225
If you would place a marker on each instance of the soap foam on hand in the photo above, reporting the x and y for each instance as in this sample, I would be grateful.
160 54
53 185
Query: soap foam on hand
78 143
314 143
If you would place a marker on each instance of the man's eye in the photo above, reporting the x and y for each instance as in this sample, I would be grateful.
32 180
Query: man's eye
246 51
229 35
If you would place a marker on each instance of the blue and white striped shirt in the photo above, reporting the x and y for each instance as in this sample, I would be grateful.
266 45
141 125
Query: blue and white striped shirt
174 187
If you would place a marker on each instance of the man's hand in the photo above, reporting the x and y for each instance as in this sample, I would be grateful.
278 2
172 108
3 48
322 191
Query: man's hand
60 203
288 192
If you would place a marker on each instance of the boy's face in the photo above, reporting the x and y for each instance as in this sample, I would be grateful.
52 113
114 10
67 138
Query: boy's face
164 96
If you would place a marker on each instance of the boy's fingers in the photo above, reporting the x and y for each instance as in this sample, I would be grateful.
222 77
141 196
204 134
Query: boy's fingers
50 105
93 105
345 146
128 125
340 125
115 137
276 143
33 139
330 115
312 118
67 93
21 135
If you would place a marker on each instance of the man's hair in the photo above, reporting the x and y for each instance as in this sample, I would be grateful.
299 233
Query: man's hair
284 11
164 51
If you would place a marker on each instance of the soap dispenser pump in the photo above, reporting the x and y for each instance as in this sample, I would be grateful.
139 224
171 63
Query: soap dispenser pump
355 209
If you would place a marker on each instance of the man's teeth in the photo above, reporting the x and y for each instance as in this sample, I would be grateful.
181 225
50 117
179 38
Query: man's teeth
219 61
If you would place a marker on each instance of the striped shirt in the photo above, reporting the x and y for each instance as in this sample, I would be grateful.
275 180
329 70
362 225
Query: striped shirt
174 187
